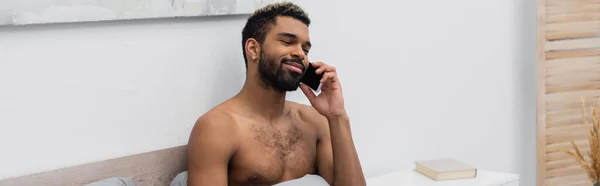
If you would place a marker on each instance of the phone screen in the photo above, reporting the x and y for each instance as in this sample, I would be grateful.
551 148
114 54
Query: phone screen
311 78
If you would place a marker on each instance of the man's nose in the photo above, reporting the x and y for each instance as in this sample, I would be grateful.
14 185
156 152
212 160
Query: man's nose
299 53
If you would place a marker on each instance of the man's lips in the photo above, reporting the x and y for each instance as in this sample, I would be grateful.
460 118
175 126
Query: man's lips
294 67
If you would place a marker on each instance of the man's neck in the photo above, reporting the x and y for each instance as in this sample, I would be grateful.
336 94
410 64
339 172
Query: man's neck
261 101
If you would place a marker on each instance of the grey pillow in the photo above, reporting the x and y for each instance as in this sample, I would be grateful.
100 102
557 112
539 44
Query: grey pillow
114 181
180 179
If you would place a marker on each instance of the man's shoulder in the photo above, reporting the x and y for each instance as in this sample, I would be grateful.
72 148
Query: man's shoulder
213 132
307 113
215 120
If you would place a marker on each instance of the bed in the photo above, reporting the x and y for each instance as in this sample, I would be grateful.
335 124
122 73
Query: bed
150 168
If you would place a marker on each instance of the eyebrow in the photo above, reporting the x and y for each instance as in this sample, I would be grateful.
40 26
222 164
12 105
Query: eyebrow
286 34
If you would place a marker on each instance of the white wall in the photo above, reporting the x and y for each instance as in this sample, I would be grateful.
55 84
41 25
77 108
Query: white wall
416 75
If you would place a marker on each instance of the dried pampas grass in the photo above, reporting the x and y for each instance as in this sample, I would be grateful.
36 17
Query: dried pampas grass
592 166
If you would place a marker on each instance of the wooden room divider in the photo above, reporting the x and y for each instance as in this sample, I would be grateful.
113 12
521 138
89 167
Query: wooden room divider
568 68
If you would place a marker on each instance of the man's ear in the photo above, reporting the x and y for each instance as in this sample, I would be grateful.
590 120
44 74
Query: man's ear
252 49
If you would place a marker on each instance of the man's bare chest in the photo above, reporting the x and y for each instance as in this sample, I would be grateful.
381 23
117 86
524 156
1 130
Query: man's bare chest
271 154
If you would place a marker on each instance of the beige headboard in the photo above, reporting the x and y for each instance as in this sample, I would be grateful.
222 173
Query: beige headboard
151 168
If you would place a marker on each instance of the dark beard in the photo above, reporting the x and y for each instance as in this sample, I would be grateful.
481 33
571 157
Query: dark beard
277 78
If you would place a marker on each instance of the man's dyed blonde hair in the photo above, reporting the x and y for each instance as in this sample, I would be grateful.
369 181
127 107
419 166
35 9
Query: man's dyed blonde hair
261 21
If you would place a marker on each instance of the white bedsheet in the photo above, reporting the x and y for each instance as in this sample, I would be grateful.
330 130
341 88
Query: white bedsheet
309 179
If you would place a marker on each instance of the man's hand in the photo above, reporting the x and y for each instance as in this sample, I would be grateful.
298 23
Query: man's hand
330 102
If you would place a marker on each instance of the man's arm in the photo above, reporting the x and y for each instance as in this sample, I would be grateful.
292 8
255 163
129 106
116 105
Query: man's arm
337 160
210 147
330 104
346 169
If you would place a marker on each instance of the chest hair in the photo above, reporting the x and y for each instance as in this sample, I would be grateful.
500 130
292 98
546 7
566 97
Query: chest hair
282 141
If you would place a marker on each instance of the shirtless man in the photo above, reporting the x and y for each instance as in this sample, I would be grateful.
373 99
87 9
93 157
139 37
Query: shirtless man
259 138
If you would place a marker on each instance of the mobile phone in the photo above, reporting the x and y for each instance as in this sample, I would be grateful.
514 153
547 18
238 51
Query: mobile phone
311 78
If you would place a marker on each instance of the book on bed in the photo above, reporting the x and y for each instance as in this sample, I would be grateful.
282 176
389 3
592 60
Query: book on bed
445 169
